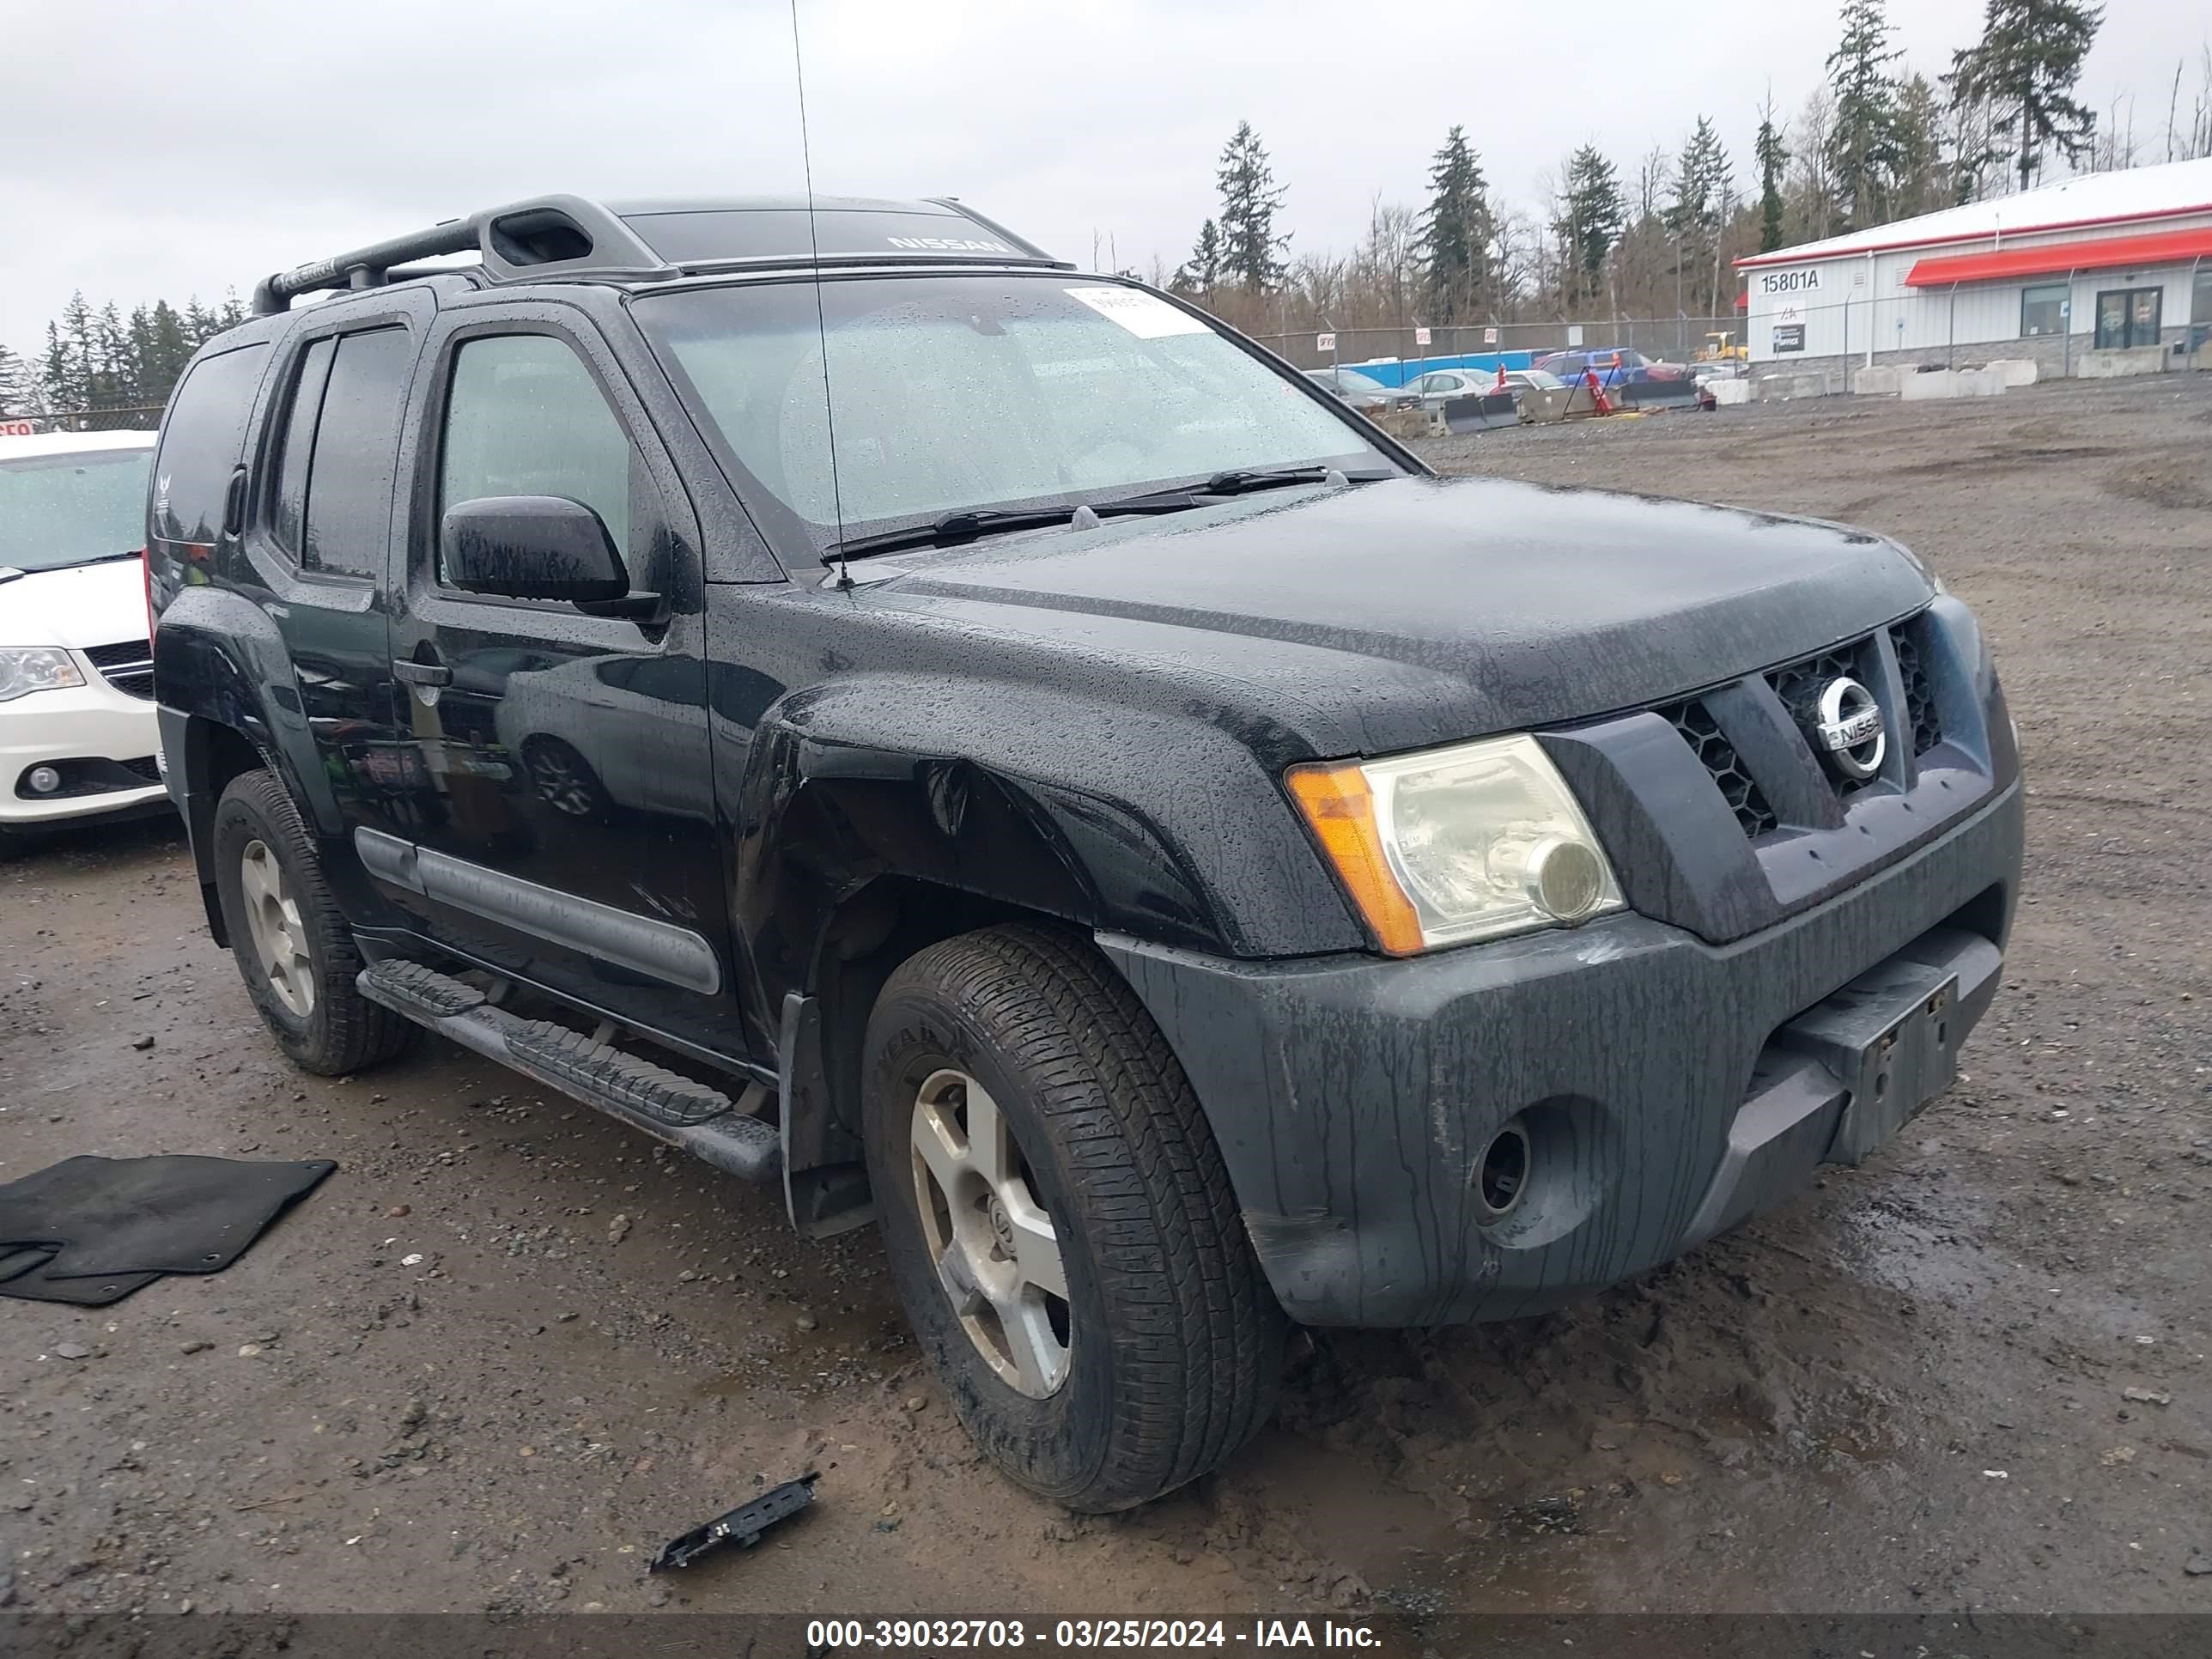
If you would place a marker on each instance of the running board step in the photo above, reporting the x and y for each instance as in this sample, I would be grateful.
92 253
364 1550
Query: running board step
704 1121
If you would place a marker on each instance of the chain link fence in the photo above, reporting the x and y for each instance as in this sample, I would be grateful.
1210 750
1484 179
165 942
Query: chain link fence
85 420
1668 339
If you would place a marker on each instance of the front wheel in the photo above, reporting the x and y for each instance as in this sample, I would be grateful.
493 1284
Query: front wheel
1059 1225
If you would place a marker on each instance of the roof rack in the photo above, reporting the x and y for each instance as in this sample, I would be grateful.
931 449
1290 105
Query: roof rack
552 237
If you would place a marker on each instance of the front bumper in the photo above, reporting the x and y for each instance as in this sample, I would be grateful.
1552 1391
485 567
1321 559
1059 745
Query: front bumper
1352 1097
93 722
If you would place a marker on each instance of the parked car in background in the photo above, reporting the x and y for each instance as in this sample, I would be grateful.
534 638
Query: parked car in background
78 736
1613 366
1361 392
1440 385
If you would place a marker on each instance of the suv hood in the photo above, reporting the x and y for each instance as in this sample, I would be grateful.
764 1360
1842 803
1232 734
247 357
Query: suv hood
1537 604
78 605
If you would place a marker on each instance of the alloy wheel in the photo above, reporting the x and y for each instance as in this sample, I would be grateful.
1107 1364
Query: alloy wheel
280 939
996 1251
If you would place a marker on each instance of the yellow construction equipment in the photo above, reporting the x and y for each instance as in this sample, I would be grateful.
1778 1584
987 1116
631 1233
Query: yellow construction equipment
1722 347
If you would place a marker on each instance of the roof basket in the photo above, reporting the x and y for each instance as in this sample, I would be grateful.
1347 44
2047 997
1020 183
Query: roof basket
546 236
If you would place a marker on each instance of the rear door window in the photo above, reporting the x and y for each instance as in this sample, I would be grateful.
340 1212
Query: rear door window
289 518
348 522
201 441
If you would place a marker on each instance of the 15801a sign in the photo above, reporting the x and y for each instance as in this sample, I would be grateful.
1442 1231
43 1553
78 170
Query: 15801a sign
1807 280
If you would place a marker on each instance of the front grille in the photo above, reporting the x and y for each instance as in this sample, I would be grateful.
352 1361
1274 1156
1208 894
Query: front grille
128 665
1800 685
1797 686
1710 744
1919 695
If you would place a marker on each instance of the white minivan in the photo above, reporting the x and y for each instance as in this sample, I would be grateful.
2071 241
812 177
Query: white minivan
77 731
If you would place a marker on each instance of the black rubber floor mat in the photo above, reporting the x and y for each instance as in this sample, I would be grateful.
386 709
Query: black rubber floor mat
109 1216
22 1276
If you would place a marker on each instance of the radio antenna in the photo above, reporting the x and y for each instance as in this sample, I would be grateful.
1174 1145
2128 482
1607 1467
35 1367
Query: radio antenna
821 321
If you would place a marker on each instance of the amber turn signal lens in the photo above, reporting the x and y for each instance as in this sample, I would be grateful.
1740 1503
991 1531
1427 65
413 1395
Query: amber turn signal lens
1339 807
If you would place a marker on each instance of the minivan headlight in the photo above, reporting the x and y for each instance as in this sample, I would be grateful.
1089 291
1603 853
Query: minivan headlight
24 670
1468 842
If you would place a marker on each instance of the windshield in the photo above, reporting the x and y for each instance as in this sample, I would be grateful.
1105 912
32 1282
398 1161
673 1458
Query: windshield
957 393
58 510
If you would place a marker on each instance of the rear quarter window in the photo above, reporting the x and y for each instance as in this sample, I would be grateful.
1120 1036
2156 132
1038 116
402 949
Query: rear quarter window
201 442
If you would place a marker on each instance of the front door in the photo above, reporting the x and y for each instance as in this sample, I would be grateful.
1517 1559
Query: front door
2128 317
564 827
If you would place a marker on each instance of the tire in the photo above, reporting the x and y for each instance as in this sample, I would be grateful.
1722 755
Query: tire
1173 1341
319 1020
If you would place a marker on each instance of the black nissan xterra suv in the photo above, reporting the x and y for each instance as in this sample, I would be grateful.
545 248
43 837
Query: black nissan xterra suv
995 751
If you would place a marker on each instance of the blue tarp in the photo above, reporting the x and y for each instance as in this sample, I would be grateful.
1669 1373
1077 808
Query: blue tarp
1398 372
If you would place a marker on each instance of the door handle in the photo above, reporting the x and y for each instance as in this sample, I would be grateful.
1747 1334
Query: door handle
422 673
233 503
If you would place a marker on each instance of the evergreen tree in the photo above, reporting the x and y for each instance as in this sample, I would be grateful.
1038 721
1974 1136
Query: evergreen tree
1773 152
1922 182
1863 143
1703 189
19 386
1591 215
2025 70
1201 274
1251 252
70 363
113 384
1458 234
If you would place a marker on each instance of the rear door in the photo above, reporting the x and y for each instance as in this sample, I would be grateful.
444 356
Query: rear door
320 534
562 806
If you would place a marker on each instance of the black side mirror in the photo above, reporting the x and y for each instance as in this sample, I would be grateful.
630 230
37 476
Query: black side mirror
531 547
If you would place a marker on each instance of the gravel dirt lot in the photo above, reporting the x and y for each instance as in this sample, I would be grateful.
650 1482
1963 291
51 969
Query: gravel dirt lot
1970 1375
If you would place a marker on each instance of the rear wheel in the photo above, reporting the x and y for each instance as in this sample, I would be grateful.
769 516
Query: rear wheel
1059 1225
294 948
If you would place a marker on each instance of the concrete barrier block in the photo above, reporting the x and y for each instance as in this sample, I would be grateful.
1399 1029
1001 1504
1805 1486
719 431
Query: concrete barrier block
1804 383
1726 392
1877 380
2016 371
1952 383
2117 364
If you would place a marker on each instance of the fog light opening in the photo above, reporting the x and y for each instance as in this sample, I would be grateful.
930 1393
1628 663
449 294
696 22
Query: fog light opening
1503 1175
42 779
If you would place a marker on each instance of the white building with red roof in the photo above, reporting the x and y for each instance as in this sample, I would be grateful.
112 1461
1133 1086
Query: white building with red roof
2067 274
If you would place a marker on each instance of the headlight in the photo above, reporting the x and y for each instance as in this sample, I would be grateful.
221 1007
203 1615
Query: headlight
36 668
1463 843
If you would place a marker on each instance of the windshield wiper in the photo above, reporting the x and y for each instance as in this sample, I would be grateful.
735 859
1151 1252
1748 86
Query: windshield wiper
1240 482
957 529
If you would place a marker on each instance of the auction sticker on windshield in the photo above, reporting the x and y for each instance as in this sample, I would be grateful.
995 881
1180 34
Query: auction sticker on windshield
1145 315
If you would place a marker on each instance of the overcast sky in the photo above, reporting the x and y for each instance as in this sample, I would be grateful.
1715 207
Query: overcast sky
149 148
